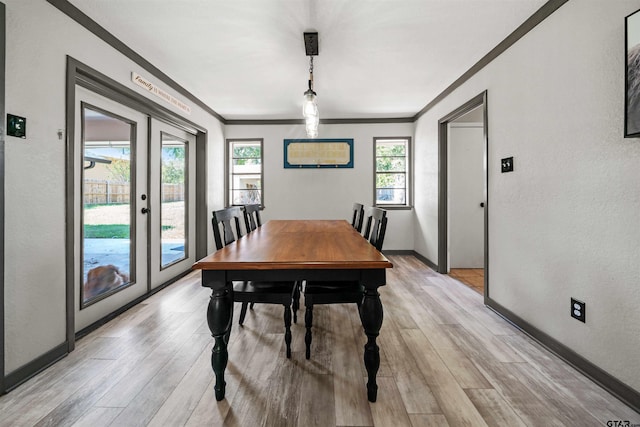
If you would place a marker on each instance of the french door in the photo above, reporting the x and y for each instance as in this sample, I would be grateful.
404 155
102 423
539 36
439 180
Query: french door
172 243
133 227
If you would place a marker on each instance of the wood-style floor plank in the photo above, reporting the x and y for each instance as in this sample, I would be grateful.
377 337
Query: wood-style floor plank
98 417
179 406
493 408
389 411
319 411
422 420
413 388
455 404
446 360
352 406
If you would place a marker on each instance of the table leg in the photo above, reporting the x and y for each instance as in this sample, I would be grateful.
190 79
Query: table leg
219 315
371 316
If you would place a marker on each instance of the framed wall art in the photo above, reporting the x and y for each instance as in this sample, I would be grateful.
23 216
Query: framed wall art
318 153
632 75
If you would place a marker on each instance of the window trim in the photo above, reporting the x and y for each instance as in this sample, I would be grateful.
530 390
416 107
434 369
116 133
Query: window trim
408 174
227 168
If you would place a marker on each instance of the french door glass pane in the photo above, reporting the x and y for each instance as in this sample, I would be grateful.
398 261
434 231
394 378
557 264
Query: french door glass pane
107 246
173 211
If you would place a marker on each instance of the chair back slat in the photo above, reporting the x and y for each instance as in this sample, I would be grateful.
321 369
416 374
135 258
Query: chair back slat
229 219
376 226
358 216
252 217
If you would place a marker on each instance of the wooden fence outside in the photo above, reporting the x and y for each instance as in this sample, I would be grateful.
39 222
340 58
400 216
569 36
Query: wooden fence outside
100 192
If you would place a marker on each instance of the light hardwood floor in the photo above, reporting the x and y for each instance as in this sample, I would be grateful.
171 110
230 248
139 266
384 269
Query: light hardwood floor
446 360
473 277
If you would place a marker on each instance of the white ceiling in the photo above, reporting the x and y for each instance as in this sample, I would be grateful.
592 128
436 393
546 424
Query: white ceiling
245 59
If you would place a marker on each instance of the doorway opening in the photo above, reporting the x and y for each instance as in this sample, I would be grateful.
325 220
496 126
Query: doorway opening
463 207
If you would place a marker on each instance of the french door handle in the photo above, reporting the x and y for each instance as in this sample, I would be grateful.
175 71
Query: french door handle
145 210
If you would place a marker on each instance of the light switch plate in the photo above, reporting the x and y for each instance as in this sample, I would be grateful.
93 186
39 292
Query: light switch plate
507 164
16 126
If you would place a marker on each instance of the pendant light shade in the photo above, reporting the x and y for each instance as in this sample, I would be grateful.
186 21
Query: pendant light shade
311 125
309 105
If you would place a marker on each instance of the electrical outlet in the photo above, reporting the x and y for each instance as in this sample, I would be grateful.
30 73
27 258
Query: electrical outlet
507 164
578 310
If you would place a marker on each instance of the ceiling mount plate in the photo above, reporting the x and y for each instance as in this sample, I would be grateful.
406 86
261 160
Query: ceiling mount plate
311 44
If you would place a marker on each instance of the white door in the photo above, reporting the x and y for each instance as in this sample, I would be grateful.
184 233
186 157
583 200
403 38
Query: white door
466 195
172 191
110 193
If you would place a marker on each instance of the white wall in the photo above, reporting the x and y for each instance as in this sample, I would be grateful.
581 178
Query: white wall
38 39
565 222
325 193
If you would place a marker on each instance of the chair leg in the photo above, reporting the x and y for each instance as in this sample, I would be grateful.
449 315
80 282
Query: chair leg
287 329
243 313
308 320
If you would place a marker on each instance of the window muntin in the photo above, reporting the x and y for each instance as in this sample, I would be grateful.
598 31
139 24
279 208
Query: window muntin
392 167
245 172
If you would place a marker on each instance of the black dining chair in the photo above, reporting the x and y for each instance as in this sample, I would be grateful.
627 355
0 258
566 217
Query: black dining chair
358 216
252 221
252 217
342 292
247 292
376 226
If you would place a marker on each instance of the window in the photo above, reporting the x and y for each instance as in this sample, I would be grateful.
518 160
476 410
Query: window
392 170
244 171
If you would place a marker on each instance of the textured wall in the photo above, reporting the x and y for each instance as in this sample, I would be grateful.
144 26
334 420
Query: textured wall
326 193
565 222
35 312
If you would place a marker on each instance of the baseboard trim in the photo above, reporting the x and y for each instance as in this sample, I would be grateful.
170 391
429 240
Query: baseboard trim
614 386
25 372
423 259
426 261
398 252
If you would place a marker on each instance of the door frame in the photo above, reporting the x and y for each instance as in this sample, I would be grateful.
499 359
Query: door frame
89 78
2 172
443 220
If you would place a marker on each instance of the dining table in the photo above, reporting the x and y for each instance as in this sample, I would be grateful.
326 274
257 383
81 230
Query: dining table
295 250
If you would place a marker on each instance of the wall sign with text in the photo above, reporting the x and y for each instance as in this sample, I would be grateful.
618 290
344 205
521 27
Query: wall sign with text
318 153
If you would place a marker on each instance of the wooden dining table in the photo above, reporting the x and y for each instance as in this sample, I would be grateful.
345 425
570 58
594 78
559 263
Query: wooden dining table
295 250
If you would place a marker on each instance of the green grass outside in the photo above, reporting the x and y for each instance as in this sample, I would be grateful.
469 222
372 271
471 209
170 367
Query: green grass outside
110 231
100 205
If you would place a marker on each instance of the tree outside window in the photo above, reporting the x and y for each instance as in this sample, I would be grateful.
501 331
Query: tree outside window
392 171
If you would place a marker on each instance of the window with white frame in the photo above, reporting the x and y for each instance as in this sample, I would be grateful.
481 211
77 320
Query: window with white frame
392 168
244 180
